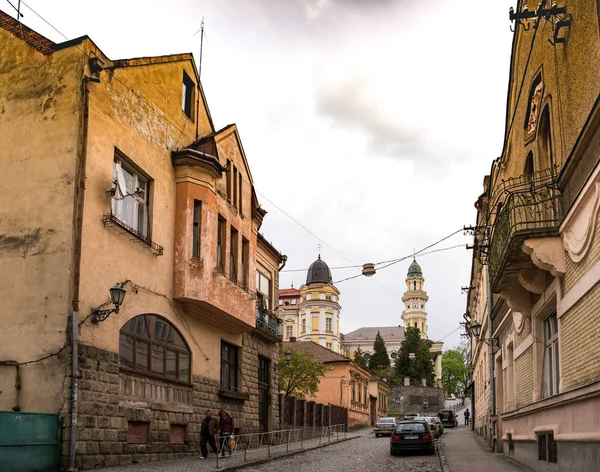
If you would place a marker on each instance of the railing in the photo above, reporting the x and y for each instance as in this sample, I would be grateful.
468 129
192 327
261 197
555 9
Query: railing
526 209
268 322
254 445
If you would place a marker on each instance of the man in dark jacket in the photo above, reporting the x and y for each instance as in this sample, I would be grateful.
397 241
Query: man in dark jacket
208 429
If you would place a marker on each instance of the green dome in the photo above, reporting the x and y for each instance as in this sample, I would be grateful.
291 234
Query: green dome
415 270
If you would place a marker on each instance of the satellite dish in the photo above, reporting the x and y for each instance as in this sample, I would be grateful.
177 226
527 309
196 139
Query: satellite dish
121 184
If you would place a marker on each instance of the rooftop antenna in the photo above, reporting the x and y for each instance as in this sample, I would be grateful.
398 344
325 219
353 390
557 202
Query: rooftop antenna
18 8
201 31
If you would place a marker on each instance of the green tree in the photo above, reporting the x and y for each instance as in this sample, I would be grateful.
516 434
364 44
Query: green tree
359 359
380 360
421 366
455 371
301 377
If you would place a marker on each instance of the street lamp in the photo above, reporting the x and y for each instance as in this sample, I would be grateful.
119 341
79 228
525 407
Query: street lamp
288 356
475 330
117 296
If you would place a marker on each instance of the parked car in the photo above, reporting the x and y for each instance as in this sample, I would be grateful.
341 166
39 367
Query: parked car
435 425
448 418
412 435
410 416
384 427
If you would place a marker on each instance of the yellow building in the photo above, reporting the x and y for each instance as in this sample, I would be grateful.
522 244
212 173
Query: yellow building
113 173
313 312
534 297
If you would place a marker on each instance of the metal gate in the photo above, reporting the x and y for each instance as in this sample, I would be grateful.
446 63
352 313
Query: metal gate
29 442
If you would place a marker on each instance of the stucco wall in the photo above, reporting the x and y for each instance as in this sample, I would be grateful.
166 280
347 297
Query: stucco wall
40 112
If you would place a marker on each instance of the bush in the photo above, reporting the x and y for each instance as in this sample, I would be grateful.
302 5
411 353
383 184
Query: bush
358 426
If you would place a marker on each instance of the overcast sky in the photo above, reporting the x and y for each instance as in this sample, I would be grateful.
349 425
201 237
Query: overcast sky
372 123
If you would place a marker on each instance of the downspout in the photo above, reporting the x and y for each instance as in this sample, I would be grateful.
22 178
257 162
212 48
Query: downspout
492 362
80 169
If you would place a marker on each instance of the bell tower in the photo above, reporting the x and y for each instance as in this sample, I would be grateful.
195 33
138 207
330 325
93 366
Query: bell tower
415 300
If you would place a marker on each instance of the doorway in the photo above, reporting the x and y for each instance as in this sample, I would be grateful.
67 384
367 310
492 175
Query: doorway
264 396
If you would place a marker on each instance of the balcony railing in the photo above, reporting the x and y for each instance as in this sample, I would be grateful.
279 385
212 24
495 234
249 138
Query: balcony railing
269 322
526 208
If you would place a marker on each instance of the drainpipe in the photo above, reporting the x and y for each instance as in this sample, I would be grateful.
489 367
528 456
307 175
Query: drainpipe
74 392
492 362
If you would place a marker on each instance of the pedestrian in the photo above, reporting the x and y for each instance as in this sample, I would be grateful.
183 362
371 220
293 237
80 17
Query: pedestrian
225 432
208 429
467 414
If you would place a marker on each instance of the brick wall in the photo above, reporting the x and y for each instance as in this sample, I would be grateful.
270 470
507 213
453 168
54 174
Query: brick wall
579 346
574 271
524 378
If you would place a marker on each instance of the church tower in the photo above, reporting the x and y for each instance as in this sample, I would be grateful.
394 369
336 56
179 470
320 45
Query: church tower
415 300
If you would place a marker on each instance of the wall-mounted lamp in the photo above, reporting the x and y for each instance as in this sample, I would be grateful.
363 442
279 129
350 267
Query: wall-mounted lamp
117 295
288 356
475 330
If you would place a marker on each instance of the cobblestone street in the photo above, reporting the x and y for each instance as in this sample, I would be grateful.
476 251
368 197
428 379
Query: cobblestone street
364 453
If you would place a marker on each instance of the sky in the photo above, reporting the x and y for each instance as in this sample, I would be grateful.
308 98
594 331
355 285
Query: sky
368 125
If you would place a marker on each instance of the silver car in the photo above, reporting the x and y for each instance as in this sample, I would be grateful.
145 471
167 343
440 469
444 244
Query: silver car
385 426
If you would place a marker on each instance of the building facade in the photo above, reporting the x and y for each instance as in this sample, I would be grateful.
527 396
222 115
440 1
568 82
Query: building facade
313 312
534 284
128 182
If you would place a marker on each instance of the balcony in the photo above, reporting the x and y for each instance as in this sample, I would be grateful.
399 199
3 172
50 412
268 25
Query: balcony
269 325
526 208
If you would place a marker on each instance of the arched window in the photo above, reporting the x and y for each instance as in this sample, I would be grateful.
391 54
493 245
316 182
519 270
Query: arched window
546 159
150 345
414 285
528 170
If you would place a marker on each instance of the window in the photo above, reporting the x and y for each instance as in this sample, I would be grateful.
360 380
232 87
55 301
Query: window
150 345
328 324
393 355
244 267
229 367
187 96
281 302
358 393
235 187
365 394
550 364
130 202
303 325
547 449
196 229
293 301
414 285
329 345
240 192
233 254
289 331
221 243
263 286
228 179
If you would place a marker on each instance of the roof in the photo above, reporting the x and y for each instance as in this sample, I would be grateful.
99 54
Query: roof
319 272
414 270
269 246
289 292
321 353
388 333
35 40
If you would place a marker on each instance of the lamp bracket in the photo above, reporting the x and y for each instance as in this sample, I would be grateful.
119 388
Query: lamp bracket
101 315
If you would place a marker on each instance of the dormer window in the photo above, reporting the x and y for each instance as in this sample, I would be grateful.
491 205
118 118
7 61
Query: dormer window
187 96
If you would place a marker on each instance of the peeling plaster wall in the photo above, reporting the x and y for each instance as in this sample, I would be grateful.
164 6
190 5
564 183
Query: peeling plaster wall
40 112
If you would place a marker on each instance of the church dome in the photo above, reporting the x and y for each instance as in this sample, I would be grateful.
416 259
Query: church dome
414 270
318 272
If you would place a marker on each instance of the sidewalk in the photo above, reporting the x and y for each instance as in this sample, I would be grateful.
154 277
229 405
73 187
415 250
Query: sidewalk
235 461
465 452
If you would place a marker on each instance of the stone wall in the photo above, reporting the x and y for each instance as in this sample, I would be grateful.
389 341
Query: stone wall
126 418
431 399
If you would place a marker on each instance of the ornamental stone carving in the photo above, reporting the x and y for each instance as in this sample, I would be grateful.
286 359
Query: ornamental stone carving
547 254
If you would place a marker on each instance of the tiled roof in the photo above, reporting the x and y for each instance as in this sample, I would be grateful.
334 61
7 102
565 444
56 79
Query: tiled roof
33 39
388 333
289 292
321 353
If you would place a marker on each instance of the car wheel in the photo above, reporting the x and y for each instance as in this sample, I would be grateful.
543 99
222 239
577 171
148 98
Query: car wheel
392 452
376 435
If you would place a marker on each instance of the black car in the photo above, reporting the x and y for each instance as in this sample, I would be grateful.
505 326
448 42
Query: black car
412 435
448 418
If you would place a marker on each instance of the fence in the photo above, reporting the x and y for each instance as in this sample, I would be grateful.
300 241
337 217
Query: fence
262 445
309 415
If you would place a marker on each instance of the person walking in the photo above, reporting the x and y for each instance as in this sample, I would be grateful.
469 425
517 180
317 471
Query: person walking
467 415
225 432
208 429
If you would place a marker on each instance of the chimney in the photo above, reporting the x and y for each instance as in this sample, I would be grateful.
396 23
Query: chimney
292 339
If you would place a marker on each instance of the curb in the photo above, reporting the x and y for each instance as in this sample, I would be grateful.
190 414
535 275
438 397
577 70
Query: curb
443 463
283 456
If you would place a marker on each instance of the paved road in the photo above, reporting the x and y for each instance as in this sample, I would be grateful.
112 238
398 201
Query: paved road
365 453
